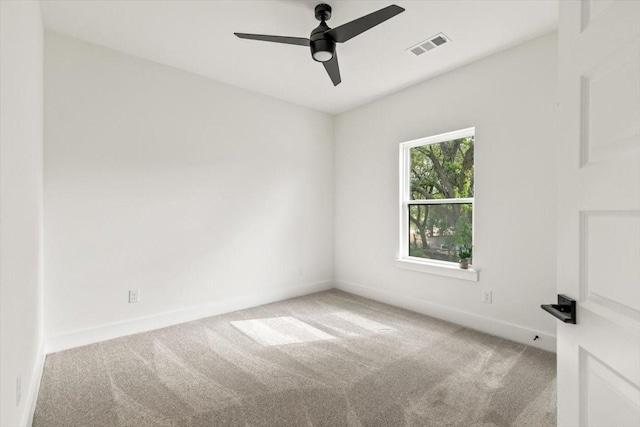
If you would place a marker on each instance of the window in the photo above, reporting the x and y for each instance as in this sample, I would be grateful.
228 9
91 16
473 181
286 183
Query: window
436 192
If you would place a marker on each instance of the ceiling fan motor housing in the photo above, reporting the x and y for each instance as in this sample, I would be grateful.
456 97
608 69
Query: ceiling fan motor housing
322 47
323 12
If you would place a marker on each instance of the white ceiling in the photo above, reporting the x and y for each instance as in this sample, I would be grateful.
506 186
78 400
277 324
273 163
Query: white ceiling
197 36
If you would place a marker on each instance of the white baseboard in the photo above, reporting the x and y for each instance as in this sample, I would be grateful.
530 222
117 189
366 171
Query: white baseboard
158 321
473 321
34 387
163 320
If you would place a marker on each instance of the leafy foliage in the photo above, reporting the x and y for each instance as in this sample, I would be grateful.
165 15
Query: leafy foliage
441 171
465 251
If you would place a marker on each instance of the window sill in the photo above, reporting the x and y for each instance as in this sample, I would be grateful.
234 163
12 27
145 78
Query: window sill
448 269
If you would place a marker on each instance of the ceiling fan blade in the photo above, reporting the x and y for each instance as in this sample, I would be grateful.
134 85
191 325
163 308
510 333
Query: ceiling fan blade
358 26
300 41
333 70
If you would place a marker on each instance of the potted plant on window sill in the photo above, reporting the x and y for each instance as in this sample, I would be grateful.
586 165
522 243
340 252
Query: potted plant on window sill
464 255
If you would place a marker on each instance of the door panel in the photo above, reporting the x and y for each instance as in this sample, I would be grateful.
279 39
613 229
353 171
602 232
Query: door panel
610 274
611 105
599 212
591 9
599 382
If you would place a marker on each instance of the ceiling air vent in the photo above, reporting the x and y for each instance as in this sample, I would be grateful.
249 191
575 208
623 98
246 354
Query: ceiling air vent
431 43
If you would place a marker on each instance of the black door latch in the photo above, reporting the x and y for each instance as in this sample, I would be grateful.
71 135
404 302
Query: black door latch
564 310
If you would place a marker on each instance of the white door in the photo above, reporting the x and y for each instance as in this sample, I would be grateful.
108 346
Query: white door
599 212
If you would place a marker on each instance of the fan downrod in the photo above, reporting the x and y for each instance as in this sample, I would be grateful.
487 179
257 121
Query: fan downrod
323 12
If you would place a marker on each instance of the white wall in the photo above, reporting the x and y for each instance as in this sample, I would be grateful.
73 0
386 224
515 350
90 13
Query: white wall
511 100
209 198
21 344
204 196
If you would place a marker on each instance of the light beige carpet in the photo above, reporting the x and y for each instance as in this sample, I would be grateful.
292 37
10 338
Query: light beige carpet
280 330
384 367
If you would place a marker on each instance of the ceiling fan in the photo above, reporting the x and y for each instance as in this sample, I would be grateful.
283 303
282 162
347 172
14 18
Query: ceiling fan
323 39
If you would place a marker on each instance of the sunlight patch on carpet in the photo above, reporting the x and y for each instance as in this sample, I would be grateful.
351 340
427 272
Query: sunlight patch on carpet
280 330
363 322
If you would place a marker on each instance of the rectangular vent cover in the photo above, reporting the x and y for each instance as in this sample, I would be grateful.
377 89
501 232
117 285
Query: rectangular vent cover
431 43
427 46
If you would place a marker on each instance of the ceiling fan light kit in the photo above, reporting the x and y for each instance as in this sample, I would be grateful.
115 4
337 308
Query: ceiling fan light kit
323 39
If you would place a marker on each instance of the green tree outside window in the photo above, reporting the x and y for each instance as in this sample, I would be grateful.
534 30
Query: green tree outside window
441 171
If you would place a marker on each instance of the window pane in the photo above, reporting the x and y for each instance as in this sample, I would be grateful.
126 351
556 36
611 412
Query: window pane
435 231
442 171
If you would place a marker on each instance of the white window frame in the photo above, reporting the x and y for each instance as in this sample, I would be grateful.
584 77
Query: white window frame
444 268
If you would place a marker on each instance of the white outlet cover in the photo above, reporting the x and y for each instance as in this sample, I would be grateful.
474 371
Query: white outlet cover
134 296
486 297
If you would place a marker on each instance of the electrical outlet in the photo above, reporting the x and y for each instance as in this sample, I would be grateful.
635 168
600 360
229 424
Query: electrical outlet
18 389
134 296
486 297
